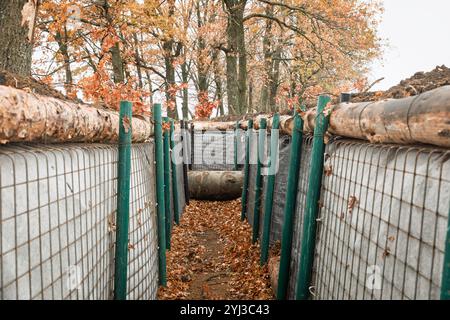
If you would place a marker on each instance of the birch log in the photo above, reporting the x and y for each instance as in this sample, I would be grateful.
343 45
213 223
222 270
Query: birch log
214 126
28 117
215 185
421 119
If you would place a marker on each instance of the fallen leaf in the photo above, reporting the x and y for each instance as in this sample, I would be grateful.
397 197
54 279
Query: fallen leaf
126 124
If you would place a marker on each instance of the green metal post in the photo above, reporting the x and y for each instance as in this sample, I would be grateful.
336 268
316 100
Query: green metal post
236 130
258 184
160 207
289 207
167 183
123 203
445 287
312 202
268 203
246 171
176 207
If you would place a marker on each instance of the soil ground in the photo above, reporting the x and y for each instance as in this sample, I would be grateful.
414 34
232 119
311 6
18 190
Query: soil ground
30 84
212 257
417 84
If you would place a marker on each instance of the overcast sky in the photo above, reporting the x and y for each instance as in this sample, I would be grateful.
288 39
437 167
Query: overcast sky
418 33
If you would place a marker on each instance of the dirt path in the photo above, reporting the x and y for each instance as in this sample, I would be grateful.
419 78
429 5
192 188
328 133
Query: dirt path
212 256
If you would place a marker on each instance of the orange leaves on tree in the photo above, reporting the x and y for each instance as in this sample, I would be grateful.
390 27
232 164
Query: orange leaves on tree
205 107
101 89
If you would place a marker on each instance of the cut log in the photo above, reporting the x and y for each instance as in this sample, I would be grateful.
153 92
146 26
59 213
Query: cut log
214 126
421 119
215 185
34 118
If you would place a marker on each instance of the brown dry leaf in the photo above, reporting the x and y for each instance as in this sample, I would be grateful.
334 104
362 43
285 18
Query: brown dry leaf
386 252
328 170
352 202
126 124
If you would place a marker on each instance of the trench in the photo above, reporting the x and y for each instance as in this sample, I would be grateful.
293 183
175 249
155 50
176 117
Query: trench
212 257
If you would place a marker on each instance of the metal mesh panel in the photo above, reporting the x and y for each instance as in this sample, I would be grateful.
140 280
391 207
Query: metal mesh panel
213 151
143 254
57 222
180 183
279 196
303 181
383 223
252 168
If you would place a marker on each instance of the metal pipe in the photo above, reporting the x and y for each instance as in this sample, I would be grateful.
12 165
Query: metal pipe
236 146
176 206
185 161
246 171
312 202
445 287
289 207
123 201
258 184
166 139
268 203
160 207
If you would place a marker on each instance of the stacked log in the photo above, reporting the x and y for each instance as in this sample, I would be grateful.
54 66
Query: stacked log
424 119
28 117
215 185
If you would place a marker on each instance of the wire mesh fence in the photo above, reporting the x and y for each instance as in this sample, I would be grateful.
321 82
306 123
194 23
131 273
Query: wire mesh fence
57 222
215 150
383 222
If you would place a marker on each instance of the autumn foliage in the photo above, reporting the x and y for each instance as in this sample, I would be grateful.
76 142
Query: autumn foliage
207 55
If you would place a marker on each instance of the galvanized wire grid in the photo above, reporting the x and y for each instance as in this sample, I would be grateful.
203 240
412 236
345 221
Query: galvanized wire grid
213 151
143 249
57 221
383 222
252 168
303 181
280 189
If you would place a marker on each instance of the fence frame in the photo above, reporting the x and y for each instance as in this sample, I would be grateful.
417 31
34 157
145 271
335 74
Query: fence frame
289 209
268 203
246 171
160 205
312 206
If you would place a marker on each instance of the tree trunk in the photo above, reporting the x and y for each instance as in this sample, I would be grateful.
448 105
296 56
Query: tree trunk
236 74
274 79
15 47
218 82
250 97
202 67
119 75
170 80
242 98
267 49
215 185
63 48
185 79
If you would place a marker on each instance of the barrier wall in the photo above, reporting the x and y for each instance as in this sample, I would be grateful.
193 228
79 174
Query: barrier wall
57 221
215 150
383 219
